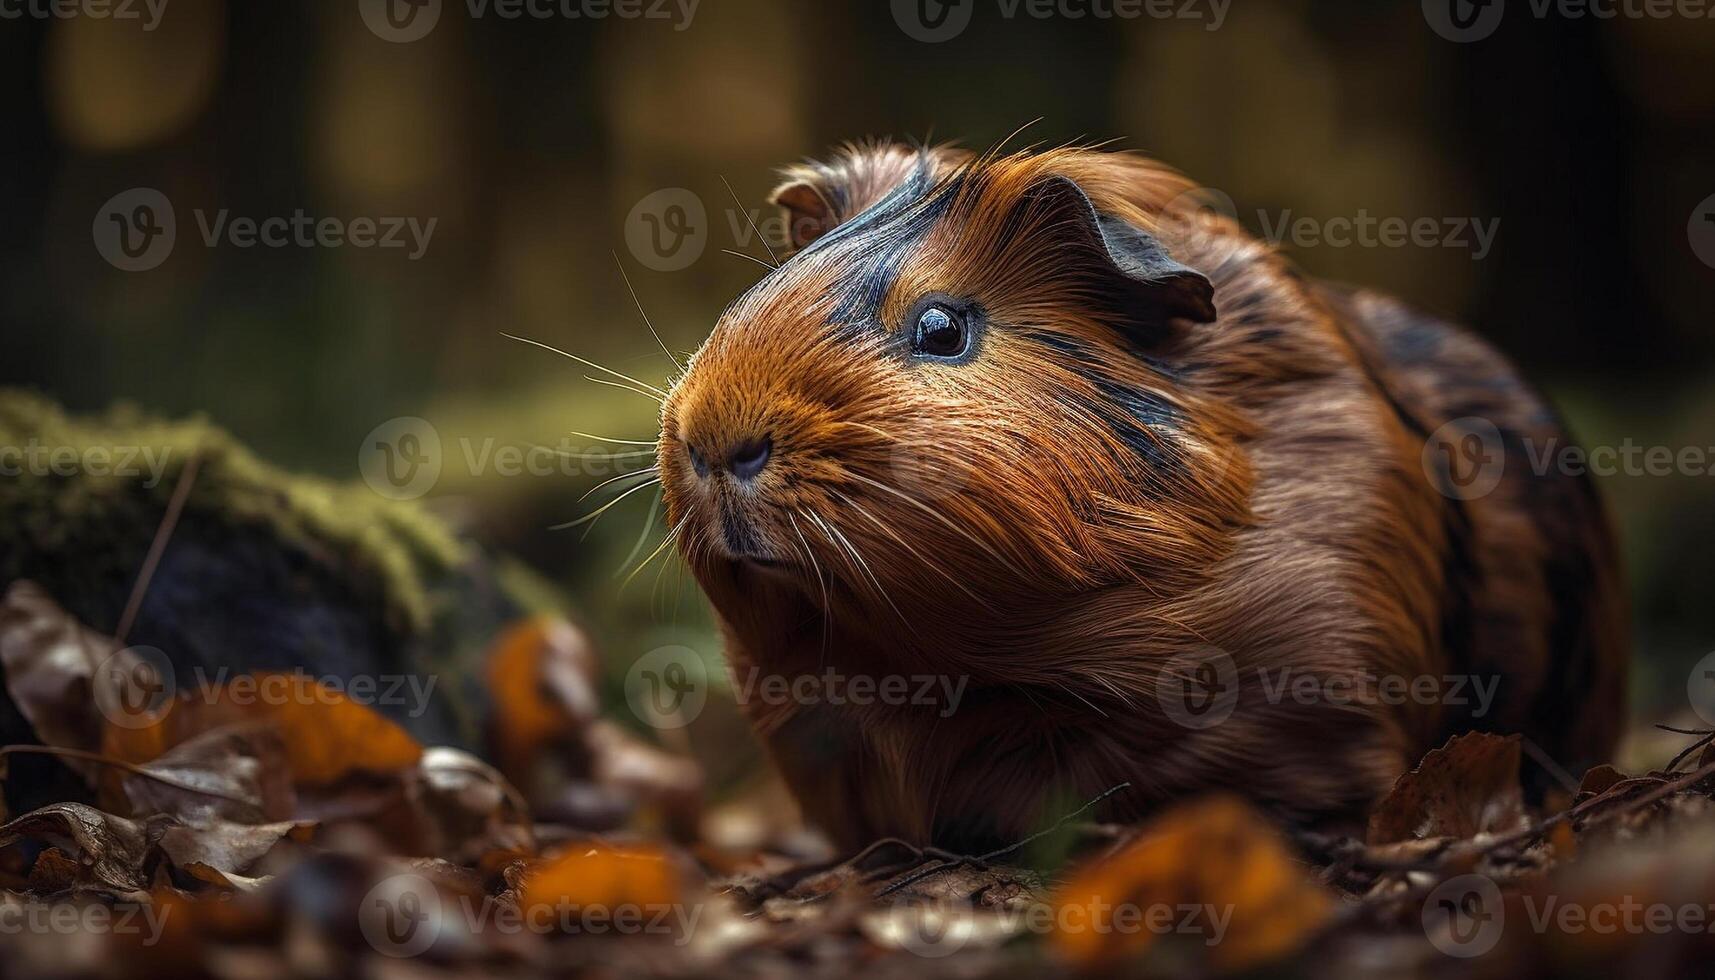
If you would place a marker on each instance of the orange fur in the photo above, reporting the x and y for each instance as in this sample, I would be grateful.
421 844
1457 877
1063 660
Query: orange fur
987 520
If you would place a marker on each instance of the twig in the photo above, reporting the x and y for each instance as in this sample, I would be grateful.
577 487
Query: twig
1702 742
1460 853
163 533
982 861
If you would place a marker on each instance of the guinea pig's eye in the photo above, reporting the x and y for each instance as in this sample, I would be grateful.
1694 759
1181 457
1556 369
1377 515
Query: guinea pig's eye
940 332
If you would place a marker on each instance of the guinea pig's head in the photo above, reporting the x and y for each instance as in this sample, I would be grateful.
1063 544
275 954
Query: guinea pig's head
959 391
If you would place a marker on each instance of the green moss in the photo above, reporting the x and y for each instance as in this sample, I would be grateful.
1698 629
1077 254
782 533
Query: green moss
90 492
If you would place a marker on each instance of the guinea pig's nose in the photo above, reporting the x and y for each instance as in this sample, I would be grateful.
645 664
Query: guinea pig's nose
748 458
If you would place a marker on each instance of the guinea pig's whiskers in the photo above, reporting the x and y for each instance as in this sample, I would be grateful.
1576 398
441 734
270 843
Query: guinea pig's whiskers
666 542
747 255
568 454
591 518
827 606
926 562
754 230
858 559
615 479
624 387
639 304
617 442
939 517
586 362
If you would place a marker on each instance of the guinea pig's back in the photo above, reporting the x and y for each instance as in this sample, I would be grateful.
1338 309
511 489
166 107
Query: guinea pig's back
1533 590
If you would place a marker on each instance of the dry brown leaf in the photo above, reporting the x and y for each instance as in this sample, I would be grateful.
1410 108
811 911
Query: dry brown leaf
643 773
49 660
472 807
1466 787
232 774
110 851
229 848
1195 867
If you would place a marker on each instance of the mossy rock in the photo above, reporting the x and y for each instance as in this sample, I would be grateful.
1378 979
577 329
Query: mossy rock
265 570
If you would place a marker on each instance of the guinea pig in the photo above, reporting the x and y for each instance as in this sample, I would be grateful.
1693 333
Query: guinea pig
1174 515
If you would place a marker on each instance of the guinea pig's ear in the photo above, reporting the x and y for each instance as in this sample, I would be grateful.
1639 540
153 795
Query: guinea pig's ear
1146 281
817 197
808 214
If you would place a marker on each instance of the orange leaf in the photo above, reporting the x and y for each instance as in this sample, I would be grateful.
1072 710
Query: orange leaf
542 677
1212 872
326 734
601 876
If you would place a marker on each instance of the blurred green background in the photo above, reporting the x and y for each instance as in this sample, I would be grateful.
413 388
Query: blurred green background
531 143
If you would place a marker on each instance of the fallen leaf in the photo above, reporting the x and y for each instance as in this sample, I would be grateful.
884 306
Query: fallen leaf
49 660
1599 780
326 735
110 851
1466 787
472 807
624 763
548 739
228 847
602 876
227 774
542 677
1212 872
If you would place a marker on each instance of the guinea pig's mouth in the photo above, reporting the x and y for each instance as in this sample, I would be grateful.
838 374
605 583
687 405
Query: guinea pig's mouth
743 544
